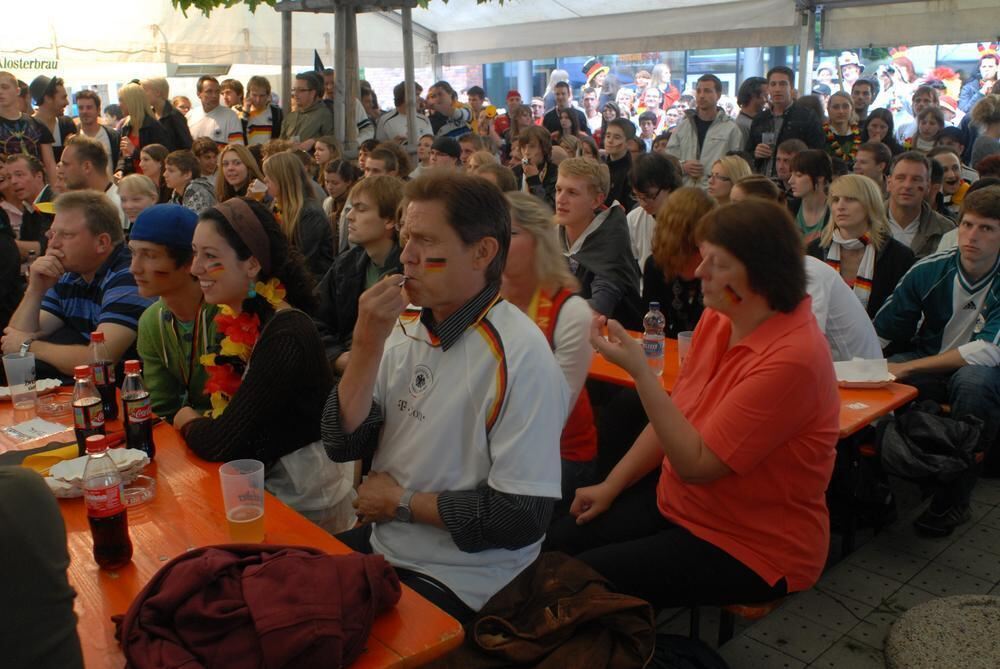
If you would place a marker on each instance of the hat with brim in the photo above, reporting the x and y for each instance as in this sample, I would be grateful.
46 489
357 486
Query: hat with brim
850 58
592 68
42 86
821 89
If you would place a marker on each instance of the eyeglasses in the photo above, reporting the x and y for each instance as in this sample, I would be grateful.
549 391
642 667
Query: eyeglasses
644 197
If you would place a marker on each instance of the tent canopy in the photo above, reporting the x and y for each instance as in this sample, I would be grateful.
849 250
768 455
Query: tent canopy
526 29
849 25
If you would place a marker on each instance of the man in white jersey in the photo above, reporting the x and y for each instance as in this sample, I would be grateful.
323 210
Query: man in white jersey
216 121
944 317
459 404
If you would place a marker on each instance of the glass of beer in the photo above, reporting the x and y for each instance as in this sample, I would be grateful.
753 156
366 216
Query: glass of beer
243 496
257 190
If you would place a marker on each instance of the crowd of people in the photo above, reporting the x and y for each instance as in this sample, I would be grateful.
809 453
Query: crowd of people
427 314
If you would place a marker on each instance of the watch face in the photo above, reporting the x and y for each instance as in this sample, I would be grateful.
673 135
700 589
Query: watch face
403 514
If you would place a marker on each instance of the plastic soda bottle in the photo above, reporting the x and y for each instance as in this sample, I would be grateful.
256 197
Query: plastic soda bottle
137 413
88 414
104 374
653 324
106 511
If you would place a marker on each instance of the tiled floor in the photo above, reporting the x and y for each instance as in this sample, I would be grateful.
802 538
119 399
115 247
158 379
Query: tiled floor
843 621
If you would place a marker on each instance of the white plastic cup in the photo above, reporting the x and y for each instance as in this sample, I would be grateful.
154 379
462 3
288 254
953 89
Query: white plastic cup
243 496
769 138
20 371
683 345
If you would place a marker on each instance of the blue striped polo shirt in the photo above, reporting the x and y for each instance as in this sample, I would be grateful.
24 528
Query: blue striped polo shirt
112 297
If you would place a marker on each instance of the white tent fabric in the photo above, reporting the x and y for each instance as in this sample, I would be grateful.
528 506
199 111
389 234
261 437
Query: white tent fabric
912 23
152 31
524 29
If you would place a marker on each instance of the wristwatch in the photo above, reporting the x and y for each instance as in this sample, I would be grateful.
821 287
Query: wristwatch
403 512
26 345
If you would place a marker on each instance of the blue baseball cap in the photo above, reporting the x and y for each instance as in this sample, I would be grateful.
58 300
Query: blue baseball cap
167 224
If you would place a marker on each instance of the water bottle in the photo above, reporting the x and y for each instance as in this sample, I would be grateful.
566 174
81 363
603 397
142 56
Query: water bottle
106 512
104 374
653 324
137 414
88 413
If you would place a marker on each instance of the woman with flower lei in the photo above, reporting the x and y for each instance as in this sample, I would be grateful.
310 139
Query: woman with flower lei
843 124
269 379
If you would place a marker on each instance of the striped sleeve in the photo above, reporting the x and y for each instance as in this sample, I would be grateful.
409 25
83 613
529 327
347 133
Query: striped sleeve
486 518
121 302
52 304
361 443
234 133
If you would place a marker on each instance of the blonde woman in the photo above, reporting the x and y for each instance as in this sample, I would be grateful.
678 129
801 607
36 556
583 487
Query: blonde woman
480 159
857 243
725 172
301 217
139 130
668 274
237 169
537 280
138 193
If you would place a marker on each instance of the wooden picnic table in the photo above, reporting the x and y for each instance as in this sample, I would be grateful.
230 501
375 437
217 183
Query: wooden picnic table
187 512
858 406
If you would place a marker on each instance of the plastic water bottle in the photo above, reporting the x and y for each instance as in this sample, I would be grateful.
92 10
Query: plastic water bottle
106 512
653 324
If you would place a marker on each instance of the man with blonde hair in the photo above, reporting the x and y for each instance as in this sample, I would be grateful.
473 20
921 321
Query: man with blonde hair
158 95
597 246
82 284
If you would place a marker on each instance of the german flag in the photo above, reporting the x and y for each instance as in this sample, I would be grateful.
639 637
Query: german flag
435 264
492 337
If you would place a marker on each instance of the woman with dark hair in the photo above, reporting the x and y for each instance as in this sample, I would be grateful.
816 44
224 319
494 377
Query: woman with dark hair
618 158
653 178
152 159
722 500
569 125
880 127
269 380
811 175
609 112
537 173
237 169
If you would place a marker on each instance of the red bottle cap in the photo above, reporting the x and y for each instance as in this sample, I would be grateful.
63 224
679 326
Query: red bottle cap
97 337
97 443
133 367
81 372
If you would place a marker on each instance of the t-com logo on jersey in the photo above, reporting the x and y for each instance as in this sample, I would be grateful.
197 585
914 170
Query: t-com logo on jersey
421 381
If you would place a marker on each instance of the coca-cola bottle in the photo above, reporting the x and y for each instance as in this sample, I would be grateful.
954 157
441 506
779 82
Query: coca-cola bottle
137 413
104 374
88 412
106 512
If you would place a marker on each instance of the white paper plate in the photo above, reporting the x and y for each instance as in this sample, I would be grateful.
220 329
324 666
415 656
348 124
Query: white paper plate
867 384
128 460
42 386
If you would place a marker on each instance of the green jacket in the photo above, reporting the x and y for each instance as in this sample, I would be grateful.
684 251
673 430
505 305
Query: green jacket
315 121
167 360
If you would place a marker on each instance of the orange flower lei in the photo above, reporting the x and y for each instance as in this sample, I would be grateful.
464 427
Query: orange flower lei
835 147
241 331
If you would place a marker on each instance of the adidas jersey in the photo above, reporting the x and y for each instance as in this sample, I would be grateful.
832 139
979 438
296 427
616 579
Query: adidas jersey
489 410
260 126
936 308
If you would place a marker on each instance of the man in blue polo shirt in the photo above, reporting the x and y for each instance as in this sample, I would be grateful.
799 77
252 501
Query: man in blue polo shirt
80 285
945 317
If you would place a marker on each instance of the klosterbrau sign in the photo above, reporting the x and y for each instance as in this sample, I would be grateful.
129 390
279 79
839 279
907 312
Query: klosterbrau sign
27 64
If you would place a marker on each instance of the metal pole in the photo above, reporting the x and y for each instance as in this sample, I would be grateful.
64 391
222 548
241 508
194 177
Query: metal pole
340 66
351 86
807 50
286 62
411 89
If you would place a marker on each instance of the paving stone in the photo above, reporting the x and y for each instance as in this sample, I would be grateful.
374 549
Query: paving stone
944 581
745 653
964 557
848 653
892 564
793 635
859 584
831 610
982 537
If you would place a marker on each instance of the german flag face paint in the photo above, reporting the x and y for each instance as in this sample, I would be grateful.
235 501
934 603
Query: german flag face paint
215 269
732 295
435 264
